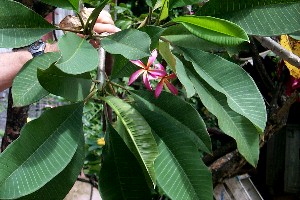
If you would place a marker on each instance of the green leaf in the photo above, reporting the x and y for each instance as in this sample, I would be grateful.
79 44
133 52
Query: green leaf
178 35
154 32
179 113
232 123
139 132
26 88
165 52
78 56
68 176
121 176
66 4
130 43
180 171
20 26
214 30
230 79
164 13
264 18
122 67
183 78
45 147
72 87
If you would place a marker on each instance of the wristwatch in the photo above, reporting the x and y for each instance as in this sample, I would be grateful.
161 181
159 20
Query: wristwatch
37 48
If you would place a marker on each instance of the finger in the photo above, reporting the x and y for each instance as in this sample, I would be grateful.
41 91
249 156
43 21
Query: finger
105 18
100 28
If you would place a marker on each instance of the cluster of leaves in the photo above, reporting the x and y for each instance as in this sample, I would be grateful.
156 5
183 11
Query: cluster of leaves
155 144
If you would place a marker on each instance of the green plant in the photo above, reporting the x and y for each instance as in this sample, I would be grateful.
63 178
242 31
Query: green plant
153 144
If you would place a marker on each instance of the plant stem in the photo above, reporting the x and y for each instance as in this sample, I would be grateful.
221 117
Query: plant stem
268 43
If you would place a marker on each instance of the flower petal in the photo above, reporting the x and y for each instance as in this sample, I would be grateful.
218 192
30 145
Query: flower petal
135 75
159 88
146 81
160 66
152 58
157 72
138 63
171 87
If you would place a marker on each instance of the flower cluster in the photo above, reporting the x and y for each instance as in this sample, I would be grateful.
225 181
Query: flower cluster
153 71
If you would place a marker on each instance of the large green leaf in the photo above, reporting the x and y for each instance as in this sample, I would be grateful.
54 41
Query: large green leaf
54 189
26 88
130 43
72 87
184 79
45 147
178 35
230 79
121 176
66 4
179 114
260 17
78 56
154 32
122 67
232 123
139 132
213 29
20 26
167 55
180 171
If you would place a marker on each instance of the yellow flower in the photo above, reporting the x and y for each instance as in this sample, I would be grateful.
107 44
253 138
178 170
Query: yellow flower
101 142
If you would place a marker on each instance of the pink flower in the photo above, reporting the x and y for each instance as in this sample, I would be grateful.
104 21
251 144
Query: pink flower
165 80
148 72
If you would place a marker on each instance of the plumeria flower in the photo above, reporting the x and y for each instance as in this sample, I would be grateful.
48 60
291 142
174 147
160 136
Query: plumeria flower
148 72
165 80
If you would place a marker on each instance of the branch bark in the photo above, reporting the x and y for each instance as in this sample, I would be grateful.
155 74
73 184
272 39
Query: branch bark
268 43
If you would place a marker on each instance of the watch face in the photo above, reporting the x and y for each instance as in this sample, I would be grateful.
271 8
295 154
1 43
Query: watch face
37 48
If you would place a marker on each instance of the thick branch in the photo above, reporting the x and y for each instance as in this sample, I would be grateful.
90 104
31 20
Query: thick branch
268 43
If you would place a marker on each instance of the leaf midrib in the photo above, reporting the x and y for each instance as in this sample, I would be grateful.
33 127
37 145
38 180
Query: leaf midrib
186 176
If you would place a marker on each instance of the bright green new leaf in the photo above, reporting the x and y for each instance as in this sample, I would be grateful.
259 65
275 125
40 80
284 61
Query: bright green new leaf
68 176
26 88
179 113
166 53
232 123
44 149
130 43
139 132
78 56
180 171
183 77
121 176
72 87
230 79
66 4
214 30
20 26
265 18
164 13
